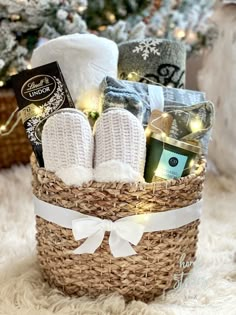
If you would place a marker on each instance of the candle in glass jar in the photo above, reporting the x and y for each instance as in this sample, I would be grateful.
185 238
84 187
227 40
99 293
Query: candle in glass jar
168 158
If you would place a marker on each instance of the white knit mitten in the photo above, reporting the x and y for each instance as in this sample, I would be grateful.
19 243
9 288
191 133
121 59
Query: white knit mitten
67 142
120 147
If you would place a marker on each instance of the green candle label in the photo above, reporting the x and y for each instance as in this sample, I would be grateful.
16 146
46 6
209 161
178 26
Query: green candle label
171 165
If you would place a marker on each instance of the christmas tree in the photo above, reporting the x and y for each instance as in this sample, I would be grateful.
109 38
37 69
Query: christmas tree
26 24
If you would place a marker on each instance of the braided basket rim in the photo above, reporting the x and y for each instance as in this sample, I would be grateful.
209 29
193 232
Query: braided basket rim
165 184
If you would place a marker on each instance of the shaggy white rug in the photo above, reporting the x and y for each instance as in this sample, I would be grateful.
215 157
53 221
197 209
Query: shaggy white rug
209 289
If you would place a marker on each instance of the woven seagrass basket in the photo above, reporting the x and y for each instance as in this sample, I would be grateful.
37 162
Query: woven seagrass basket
143 276
15 147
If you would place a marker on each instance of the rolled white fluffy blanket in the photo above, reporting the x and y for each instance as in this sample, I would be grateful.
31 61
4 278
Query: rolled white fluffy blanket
84 59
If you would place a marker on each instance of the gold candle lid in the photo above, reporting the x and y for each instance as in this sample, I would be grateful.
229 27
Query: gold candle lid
176 143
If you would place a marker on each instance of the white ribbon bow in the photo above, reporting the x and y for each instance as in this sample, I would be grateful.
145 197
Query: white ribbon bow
122 233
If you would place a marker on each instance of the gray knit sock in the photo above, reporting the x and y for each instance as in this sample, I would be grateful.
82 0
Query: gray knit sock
141 98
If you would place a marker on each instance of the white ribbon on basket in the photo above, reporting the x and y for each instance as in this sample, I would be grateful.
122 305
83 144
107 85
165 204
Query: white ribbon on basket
122 231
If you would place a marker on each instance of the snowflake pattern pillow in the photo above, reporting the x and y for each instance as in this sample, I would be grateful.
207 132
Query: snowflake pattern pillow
157 60
192 123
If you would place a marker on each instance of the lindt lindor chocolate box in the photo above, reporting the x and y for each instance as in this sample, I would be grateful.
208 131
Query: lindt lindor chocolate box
40 92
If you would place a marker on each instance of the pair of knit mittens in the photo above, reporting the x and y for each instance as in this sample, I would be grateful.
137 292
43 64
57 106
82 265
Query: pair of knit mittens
114 153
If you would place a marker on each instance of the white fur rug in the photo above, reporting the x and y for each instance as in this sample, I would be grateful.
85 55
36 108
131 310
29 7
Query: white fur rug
209 289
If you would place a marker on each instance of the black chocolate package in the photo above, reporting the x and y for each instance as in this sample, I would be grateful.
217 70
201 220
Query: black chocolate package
40 92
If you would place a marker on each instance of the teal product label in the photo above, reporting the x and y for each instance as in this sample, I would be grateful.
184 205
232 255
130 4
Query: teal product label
171 165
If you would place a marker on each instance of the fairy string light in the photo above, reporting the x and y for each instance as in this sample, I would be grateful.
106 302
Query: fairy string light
196 126
4 127
165 115
195 123
133 76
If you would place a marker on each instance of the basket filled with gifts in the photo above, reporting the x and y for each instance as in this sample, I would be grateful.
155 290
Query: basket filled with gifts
118 166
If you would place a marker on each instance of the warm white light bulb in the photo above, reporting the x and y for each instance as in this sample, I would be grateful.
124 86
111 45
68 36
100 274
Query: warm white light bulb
133 76
111 17
179 33
195 125
81 8
15 17
165 115
3 128
12 72
191 164
1 83
130 76
88 101
38 111
148 132
102 28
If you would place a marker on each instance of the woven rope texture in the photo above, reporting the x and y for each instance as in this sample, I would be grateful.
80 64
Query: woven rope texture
154 269
15 147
